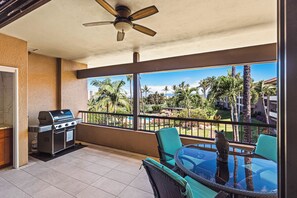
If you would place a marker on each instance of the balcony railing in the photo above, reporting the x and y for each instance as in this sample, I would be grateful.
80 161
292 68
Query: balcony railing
107 119
189 127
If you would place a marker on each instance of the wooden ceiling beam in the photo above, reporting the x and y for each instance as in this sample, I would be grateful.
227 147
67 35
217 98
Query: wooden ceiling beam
19 13
239 56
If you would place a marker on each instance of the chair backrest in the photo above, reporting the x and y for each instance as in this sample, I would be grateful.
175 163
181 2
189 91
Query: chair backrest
169 141
267 147
165 182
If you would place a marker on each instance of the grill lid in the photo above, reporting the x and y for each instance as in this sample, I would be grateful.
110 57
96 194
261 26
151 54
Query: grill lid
51 117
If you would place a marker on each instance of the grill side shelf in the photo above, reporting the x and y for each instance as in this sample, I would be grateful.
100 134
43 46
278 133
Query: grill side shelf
39 128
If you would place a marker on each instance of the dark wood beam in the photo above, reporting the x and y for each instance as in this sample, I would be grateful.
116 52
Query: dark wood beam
246 55
32 6
136 93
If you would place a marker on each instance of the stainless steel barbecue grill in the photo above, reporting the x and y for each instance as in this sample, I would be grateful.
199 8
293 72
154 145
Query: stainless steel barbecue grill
56 131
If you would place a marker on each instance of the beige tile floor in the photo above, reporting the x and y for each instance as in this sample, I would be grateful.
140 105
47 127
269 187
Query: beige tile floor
93 171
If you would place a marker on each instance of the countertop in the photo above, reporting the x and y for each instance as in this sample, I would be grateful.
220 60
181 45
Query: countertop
4 126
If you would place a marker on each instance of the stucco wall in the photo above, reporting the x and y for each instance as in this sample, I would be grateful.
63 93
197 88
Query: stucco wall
13 53
42 85
38 85
129 140
74 93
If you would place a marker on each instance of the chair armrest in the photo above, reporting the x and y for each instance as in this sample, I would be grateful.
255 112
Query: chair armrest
222 194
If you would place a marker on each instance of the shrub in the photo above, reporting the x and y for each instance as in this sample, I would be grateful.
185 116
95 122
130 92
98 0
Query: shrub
156 108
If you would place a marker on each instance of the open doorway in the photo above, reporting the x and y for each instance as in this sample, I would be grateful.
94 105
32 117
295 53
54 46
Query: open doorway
9 145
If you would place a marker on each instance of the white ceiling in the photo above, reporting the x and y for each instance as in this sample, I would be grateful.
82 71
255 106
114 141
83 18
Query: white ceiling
183 27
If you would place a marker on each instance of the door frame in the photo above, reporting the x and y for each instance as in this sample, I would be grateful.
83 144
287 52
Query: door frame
14 71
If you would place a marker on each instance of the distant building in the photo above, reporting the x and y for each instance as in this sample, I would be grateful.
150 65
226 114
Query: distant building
272 103
272 112
258 107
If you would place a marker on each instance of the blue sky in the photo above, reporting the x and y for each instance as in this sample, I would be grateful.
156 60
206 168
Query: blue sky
157 81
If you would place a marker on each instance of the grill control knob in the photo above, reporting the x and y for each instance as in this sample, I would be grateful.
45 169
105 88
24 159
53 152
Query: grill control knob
66 124
72 123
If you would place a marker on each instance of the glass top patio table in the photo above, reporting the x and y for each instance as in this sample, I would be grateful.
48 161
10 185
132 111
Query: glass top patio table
248 175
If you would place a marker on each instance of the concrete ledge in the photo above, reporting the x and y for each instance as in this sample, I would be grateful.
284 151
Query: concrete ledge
129 140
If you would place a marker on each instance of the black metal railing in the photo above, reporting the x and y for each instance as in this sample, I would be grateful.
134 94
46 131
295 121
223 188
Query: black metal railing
107 119
205 129
189 127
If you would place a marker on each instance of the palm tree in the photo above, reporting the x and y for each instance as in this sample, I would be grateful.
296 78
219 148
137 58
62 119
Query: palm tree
206 84
247 80
129 78
229 87
146 90
265 90
185 94
233 71
111 94
174 87
166 90
94 104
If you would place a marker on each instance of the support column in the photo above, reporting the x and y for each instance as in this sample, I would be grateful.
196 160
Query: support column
287 97
136 94
59 83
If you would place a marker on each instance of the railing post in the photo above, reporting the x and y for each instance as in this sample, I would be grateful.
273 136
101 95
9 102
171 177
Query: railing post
136 94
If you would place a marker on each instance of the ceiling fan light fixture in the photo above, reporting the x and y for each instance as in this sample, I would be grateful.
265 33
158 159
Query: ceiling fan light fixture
123 22
123 25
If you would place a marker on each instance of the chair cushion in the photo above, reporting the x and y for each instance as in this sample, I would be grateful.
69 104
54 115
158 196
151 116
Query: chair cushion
169 141
199 190
176 177
267 147
171 162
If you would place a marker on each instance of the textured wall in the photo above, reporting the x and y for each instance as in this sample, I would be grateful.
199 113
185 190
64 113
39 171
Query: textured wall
13 53
74 92
42 85
129 140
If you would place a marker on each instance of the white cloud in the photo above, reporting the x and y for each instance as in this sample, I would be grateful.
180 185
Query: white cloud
159 88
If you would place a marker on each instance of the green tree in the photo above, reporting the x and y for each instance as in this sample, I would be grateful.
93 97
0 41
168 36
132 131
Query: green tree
146 90
129 79
111 94
184 96
165 90
206 84
183 86
228 87
265 90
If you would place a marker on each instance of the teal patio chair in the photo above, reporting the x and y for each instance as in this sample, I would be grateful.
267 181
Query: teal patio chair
267 147
168 184
169 142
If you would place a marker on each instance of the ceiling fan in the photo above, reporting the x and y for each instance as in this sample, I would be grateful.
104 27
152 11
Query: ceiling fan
124 18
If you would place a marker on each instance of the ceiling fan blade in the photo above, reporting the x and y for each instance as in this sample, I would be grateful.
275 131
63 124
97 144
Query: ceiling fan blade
97 23
108 7
120 36
144 13
144 30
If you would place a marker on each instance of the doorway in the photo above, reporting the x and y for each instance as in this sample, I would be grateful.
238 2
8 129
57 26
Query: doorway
13 72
